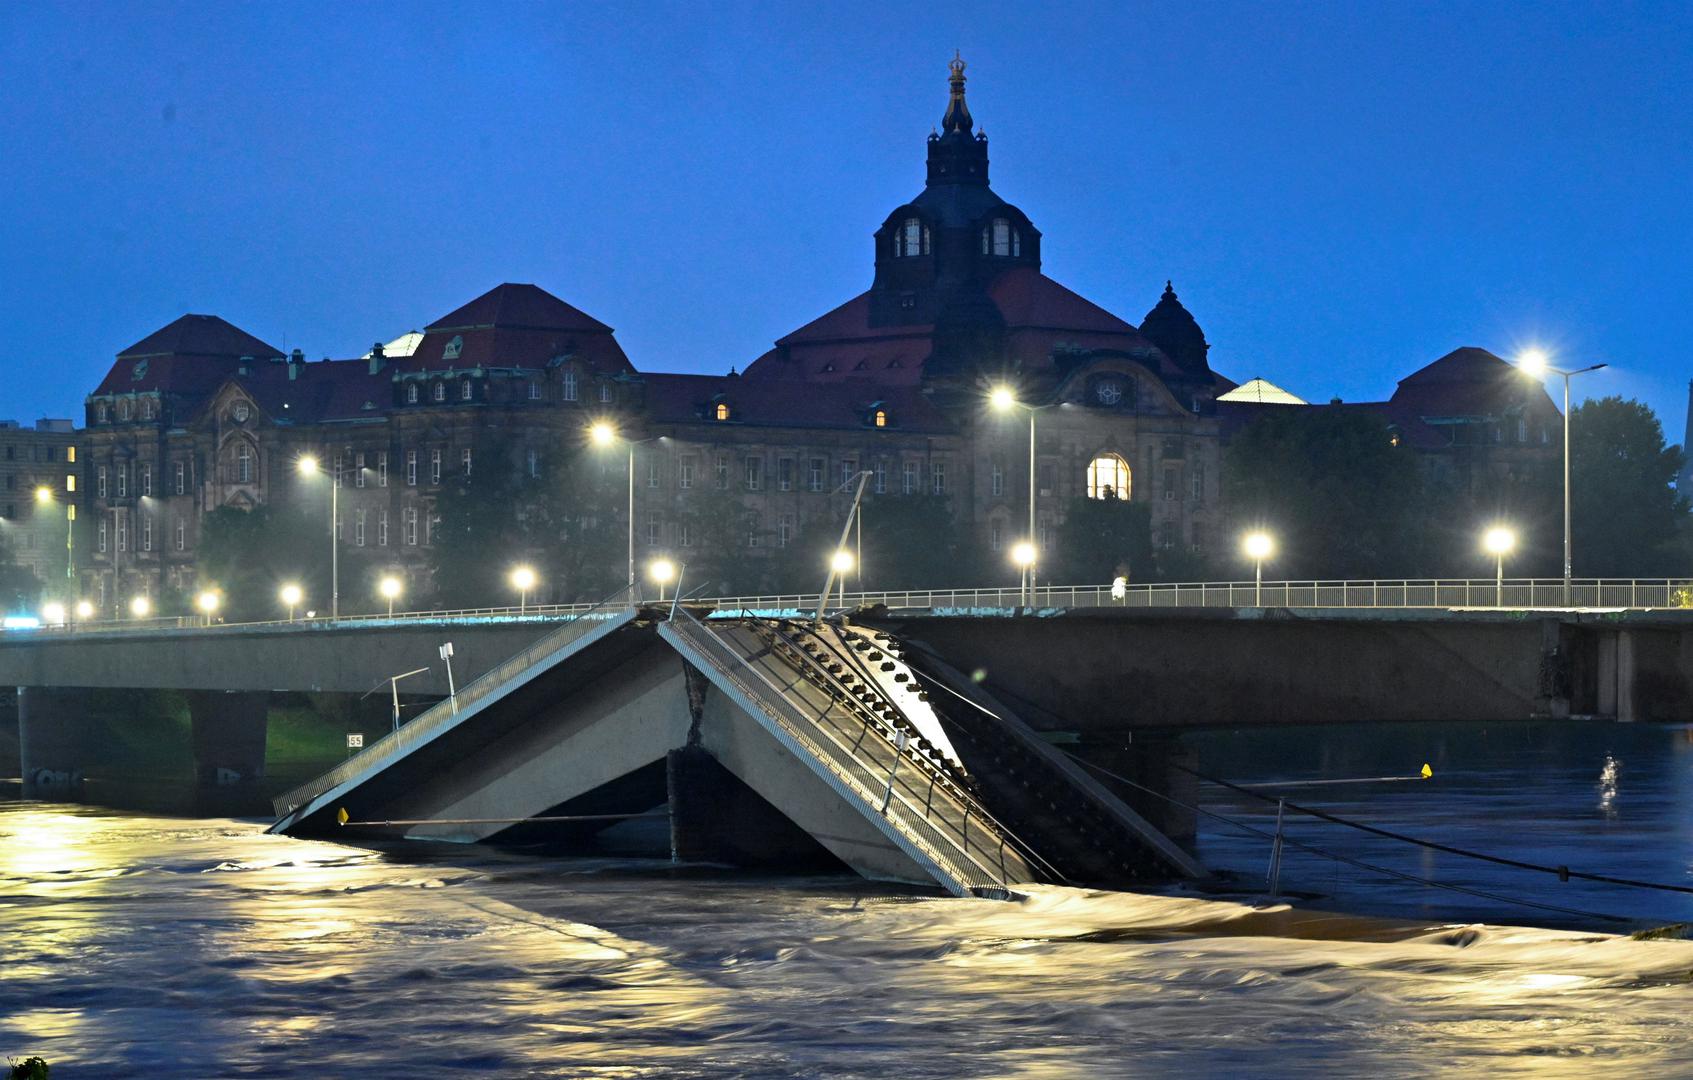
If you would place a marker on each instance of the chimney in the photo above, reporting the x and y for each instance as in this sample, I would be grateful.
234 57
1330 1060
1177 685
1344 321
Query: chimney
378 358
296 360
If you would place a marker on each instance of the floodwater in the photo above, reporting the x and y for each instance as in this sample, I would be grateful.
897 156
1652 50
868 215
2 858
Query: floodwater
134 944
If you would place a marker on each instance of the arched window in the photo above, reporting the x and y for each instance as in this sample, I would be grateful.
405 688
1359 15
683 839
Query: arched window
1108 478
912 238
146 408
244 464
721 412
440 391
123 410
1001 238
881 418
100 414
411 394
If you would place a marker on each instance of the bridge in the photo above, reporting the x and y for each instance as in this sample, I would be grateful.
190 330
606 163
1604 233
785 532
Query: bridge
588 715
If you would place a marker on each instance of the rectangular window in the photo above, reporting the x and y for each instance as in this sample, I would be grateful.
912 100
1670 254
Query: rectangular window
814 473
937 475
147 480
881 478
1171 483
570 386
339 482
650 532
102 536
685 534
1043 536
534 391
685 473
181 534
785 474
358 527
755 473
70 482
100 481
411 468
721 467
998 484
70 455
1048 479
146 532
340 527
753 538
382 528
464 462
182 478
1196 482
358 470
382 469
849 471
434 466
605 392
408 525
652 471
534 463
784 530
123 480
908 481
431 525
465 390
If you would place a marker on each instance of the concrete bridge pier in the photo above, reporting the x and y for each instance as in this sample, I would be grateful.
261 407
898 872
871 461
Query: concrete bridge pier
1149 760
58 738
714 817
228 735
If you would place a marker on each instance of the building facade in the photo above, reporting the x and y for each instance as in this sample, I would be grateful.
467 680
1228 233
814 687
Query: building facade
41 488
895 384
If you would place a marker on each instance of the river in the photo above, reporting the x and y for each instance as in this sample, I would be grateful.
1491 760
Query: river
142 945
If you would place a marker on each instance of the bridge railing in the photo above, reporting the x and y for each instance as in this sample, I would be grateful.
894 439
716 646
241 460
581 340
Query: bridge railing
1514 593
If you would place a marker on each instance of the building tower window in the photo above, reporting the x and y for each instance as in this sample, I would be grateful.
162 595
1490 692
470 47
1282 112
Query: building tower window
1002 238
1108 477
912 238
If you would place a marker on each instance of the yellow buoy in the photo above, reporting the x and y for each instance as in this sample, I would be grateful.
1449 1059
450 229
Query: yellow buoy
341 813
1427 772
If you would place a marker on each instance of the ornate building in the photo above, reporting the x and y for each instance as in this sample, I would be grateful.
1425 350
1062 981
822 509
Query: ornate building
894 382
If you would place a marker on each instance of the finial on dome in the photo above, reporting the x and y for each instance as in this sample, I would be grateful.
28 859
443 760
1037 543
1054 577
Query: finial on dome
957 113
1169 289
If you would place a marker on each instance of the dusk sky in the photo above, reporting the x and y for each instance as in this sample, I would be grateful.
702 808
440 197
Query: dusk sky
1341 192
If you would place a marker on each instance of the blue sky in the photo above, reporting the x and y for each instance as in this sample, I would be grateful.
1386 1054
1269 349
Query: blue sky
1342 192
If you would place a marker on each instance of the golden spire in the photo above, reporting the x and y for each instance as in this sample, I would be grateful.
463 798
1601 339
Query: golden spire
957 113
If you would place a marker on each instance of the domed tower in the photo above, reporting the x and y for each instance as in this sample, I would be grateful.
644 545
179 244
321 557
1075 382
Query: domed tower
1176 333
936 254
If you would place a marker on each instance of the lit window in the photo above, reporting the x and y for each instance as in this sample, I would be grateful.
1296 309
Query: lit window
722 411
1108 477
70 482
881 418
70 454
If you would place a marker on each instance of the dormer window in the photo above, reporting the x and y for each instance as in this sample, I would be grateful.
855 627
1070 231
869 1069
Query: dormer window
123 410
440 391
911 239
454 348
879 418
411 394
720 411
146 408
1002 238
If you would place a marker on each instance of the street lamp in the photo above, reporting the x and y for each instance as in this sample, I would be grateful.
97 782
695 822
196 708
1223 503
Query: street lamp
308 466
1258 547
1498 542
291 595
1023 553
44 497
53 614
207 602
604 434
141 607
84 609
1004 400
522 579
390 588
663 572
1533 362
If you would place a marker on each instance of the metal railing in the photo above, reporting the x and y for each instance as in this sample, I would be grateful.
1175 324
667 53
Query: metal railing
1515 594
943 843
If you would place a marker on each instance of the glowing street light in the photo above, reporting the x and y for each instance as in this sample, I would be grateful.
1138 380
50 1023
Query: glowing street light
522 579
84 609
53 614
1534 363
1498 542
308 466
1003 399
663 572
842 562
207 602
601 433
291 595
390 588
1258 547
44 497
141 607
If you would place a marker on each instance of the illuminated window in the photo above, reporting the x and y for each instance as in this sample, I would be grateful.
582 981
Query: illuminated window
881 418
70 482
70 454
722 411
1108 478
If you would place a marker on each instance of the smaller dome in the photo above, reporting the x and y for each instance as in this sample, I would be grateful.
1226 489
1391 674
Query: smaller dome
1176 333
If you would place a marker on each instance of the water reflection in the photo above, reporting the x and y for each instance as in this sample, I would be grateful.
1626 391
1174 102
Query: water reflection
1608 787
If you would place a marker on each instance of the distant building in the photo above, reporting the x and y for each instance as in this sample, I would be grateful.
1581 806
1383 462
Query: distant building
43 458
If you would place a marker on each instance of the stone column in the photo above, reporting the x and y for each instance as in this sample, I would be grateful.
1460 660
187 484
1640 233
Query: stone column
229 735
57 738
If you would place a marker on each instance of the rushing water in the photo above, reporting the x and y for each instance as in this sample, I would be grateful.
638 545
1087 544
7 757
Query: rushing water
140 945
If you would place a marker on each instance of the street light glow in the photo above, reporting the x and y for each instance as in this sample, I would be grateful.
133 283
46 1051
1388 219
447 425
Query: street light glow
1002 399
1258 545
43 494
53 614
292 595
140 607
841 562
523 579
84 609
603 434
389 587
308 464
662 571
1498 540
207 601
1533 362
1023 553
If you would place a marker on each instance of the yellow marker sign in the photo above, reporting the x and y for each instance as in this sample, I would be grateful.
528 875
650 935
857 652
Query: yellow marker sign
1427 772
341 815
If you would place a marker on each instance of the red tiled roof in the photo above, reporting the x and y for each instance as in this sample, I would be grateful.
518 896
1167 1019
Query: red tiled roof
515 325
190 356
688 399
199 335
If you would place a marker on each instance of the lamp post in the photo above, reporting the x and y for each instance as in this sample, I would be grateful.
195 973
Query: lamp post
1023 554
141 607
1533 363
207 602
1003 400
522 579
1258 547
1498 542
44 497
291 595
604 434
390 588
84 610
308 466
663 572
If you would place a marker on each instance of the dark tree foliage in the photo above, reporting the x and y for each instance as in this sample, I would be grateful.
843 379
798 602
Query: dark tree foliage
714 563
1102 539
250 554
1627 520
1341 500
909 542
19 587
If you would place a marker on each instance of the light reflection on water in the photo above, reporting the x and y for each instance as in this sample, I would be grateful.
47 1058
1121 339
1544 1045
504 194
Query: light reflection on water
158 947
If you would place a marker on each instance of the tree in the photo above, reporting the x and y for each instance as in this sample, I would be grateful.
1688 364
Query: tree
1626 518
19 587
251 554
1102 539
1341 500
